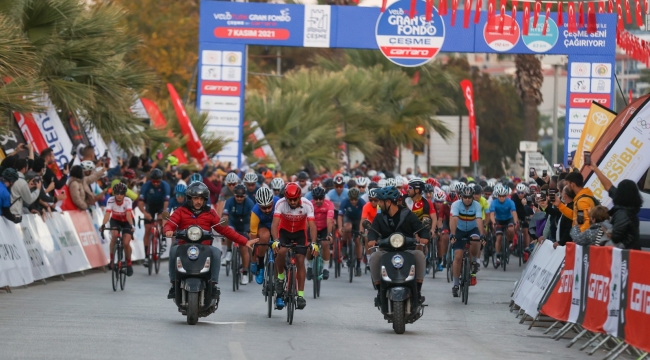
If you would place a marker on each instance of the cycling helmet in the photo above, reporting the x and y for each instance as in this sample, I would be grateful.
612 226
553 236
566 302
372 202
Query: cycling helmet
428 188
445 188
318 192
277 183
466 191
328 183
196 177
353 194
372 173
362 181
239 189
10 175
292 191
477 189
250 178
399 180
119 189
433 182
339 180
511 185
459 186
501 190
389 193
381 183
372 193
281 194
264 196
439 196
373 185
483 183
198 189
488 189
180 189
391 182
522 188
303 176
88 165
491 183
346 178
232 178
452 197
416 183
172 160
129 174
156 174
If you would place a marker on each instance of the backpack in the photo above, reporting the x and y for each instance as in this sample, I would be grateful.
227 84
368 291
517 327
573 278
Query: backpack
596 201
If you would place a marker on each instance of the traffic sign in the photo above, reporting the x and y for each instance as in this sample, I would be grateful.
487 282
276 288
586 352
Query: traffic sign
409 41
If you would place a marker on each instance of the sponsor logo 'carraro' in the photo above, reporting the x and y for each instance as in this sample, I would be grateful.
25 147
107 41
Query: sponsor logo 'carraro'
224 88
584 100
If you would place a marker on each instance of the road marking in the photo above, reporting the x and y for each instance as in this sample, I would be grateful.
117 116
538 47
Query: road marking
225 322
236 351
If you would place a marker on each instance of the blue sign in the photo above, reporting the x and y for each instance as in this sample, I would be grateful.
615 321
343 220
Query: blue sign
536 41
409 41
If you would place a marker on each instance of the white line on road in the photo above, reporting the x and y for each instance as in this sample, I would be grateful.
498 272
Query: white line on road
236 351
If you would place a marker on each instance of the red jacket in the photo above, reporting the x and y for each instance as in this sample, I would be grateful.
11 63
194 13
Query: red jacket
206 219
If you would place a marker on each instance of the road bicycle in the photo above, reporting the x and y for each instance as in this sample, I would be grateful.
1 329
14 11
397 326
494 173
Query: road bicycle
317 270
118 273
291 284
156 243
268 286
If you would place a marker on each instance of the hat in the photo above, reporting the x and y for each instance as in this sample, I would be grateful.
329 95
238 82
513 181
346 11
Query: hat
268 174
220 172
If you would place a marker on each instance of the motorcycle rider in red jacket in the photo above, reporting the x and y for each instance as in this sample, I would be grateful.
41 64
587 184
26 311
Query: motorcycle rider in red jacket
197 211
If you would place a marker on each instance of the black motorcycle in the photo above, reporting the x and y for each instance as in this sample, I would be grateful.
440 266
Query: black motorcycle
194 296
398 302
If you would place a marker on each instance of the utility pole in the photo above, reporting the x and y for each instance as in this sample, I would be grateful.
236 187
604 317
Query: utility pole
556 68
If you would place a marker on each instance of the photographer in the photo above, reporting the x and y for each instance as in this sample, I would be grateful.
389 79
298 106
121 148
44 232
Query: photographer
22 192
49 178
583 201
9 177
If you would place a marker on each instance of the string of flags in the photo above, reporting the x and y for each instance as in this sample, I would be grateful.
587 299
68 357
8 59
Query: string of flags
634 47
578 17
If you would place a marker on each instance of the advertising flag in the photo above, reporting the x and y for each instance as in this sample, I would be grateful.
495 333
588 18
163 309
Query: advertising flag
598 120
468 93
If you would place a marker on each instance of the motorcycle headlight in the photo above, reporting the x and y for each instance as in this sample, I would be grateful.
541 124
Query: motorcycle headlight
396 240
194 233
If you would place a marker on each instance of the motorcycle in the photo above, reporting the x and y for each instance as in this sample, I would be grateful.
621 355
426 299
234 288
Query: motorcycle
194 296
398 301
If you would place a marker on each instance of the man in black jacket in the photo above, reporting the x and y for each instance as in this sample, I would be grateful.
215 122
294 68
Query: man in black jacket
563 228
392 219
49 177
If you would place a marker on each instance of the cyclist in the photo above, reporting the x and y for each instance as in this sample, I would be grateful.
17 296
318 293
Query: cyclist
369 212
418 204
503 214
303 182
119 212
250 180
429 191
443 209
238 212
339 193
154 199
394 218
195 177
292 217
523 211
324 220
226 192
465 223
478 197
362 185
261 222
178 199
277 184
197 211
328 185
349 220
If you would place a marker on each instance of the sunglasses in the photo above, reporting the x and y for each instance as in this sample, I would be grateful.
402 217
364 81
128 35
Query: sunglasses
338 186
233 184
266 208
487 194
468 197
319 198
155 181
240 196
362 187
502 196
520 193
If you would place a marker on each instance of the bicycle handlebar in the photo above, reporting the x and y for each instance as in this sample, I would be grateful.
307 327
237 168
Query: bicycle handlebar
110 229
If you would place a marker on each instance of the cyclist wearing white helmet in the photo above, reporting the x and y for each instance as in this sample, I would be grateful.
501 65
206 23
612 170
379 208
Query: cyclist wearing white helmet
442 226
227 191
459 187
261 222
362 185
381 183
503 215
523 211
445 189
339 193
391 182
276 185
250 181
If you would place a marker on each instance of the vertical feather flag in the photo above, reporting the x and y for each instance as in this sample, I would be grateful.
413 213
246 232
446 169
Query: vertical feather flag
526 19
639 19
513 28
548 14
591 18
467 13
454 7
619 14
538 7
428 10
571 26
492 4
560 10
477 12
384 3
442 7
581 15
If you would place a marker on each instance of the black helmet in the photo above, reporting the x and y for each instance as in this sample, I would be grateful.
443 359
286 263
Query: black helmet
10 175
156 174
303 176
388 193
119 189
416 183
372 185
353 194
428 188
483 183
488 189
318 192
328 183
239 189
477 189
196 189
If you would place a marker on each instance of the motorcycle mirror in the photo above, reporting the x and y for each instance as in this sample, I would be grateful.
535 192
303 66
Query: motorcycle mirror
366 224
165 215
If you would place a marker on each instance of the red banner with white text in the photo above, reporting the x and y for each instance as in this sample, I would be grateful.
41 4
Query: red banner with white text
468 93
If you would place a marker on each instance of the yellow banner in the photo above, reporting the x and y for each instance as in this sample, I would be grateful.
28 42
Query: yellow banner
598 120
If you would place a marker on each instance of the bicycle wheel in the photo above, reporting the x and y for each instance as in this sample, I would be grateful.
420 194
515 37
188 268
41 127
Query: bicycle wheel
158 250
494 256
235 268
337 257
115 275
320 274
122 265
450 259
314 274
270 287
504 253
433 253
289 297
149 252
466 276
352 257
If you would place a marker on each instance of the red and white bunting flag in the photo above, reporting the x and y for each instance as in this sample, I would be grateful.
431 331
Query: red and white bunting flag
412 11
492 8
538 8
628 14
619 14
601 7
571 26
639 18
526 19
503 16
442 7
548 14
591 18
514 16
560 10
383 5
645 6
467 13
477 12
428 10
610 8
581 15
454 7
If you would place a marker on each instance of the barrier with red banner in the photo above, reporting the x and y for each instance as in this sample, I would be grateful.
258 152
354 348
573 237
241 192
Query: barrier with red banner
88 237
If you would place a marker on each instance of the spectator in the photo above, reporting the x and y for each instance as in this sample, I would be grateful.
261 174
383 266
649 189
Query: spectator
583 201
593 235
49 177
184 177
80 193
208 180
564 223
9 177
22 192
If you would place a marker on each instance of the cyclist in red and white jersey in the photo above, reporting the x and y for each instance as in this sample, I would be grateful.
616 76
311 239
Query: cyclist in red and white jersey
293 215
119 212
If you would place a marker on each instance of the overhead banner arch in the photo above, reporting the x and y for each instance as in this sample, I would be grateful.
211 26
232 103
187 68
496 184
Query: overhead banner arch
226 28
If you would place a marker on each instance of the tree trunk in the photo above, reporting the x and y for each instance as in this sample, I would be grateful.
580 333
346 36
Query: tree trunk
531 115
384 159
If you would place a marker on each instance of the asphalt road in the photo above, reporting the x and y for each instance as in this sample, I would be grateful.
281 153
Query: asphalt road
82 318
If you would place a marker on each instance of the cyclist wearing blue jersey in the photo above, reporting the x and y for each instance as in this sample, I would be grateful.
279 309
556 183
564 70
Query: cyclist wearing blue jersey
350 220
238 211
503 213
250 180
154 199
261 222
339 193
178 199
466 223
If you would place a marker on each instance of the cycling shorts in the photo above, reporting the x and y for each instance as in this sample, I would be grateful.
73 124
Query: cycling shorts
355 223
298 238
502 225
322 234
126 227
459 244
524 224
153 210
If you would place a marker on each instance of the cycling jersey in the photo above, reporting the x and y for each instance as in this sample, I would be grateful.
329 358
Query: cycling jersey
225 194
119 211
129 193
155 197
251 195
322 213
466 216
308 196
336 199
485 207
261 220
294 220
443 211
351 212
173 204
502 210
369 212
419 208
239 215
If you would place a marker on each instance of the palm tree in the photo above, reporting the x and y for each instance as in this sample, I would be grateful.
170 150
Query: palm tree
528 81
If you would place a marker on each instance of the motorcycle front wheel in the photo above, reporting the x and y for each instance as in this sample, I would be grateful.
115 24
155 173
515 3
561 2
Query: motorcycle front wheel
399 317
192 308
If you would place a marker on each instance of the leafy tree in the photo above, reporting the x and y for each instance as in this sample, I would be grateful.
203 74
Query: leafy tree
528 82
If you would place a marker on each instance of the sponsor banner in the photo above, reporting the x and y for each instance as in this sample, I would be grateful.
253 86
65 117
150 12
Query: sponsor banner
585 100
623 160
618 277
539 42
468 91
580 85
223 88
578 116
33 235
598 279
501 37
317 26
230 133
15 266
224 118
558 304
30 133
576 290
538 277
54 133
64 235
637 300
598 119
87 236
